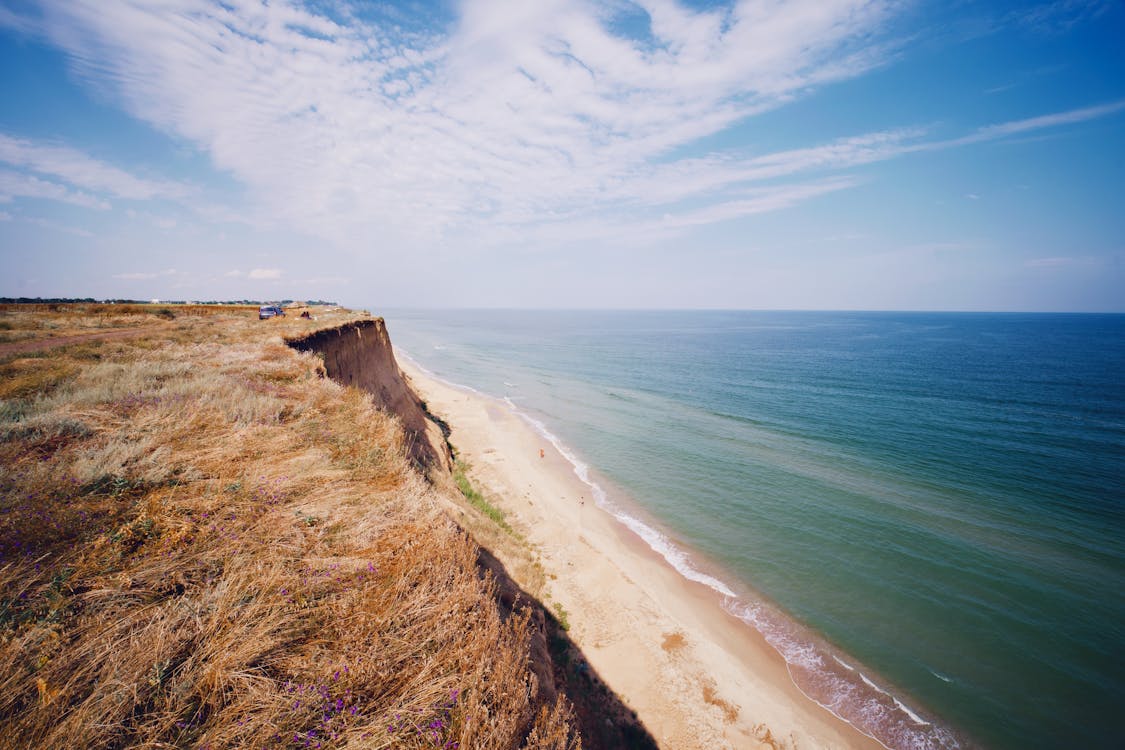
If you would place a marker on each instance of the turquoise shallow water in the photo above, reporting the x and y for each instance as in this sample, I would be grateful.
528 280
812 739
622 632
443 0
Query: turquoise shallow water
925 513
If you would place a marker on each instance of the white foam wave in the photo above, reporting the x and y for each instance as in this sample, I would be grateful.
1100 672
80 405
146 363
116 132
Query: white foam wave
940 676
403 354
510 385
431 374
872 685
901 706
657 541
913 716
837 694
873 715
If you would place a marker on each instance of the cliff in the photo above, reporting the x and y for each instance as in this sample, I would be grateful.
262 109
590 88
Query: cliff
360 354
204 542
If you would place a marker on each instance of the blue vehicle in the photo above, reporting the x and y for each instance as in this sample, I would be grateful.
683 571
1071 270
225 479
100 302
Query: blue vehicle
269 311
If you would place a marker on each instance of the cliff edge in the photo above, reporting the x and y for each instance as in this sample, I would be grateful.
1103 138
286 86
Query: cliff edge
360 354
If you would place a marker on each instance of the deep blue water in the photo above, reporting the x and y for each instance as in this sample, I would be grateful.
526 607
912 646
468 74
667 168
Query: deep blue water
939 497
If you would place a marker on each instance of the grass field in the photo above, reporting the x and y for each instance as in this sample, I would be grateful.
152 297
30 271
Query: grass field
203 543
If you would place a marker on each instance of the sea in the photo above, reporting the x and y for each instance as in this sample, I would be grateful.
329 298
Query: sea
924 513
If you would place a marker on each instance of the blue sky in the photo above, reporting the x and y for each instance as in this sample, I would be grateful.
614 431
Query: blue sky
812 154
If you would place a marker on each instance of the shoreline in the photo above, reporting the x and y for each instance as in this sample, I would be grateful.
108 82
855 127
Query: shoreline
697 675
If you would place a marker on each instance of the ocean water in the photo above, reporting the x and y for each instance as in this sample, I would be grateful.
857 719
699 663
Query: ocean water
924 513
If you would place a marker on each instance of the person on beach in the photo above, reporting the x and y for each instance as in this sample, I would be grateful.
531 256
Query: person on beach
541 454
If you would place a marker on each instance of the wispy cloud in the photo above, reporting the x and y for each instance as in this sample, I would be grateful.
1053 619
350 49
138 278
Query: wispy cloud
1058 16
760 201
515 122
9 19
1061 262
255 274
144 276
82 171
56 226
156 220
18 185
520 111
1056 119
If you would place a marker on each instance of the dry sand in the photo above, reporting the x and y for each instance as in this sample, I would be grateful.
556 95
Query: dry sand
697 677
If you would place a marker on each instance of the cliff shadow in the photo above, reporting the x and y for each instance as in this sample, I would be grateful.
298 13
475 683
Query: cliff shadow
604 721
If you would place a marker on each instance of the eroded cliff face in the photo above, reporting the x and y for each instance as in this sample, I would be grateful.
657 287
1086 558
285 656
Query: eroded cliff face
360 354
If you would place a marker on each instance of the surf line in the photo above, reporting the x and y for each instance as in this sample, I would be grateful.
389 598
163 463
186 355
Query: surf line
732 604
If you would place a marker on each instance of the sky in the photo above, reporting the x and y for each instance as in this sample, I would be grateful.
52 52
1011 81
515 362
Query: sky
750 154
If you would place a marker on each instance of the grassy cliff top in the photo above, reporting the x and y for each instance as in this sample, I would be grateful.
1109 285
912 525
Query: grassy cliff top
204 543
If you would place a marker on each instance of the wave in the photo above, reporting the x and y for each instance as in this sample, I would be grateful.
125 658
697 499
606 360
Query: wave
431 374
860 702
863 704
832 682
657 541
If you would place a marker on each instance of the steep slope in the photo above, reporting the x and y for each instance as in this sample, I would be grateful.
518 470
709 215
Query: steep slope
359 354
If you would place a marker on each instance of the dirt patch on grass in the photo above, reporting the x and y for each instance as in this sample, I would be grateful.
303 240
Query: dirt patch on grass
38 345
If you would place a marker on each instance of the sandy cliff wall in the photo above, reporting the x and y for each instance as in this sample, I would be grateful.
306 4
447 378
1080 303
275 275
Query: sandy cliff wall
360 354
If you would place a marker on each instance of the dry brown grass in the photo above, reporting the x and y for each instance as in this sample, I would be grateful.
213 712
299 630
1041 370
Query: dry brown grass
204 544
34 322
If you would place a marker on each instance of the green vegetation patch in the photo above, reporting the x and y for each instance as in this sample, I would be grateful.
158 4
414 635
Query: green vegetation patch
477 500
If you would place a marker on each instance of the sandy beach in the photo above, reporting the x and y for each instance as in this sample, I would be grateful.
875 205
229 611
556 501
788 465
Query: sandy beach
696 676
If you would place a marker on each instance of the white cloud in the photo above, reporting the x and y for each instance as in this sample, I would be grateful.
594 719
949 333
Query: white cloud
521 121
82 171
264 274
234 273
142 276
759 201
56 226
1055 119
1057 16
9 19
17 185
524 111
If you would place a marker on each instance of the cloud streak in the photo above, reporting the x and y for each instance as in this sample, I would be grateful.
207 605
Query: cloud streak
19 185
514 122
145 275
82 171
517 113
